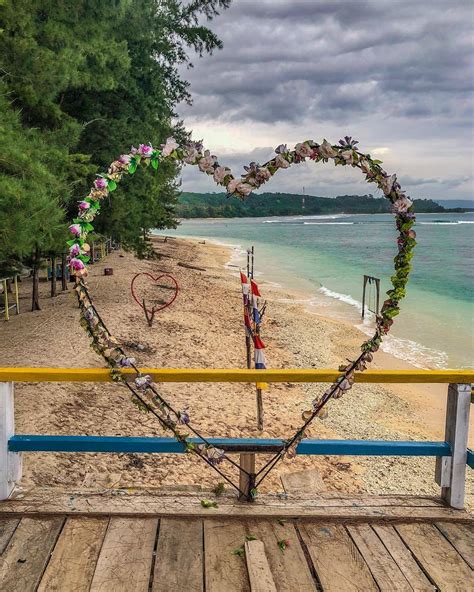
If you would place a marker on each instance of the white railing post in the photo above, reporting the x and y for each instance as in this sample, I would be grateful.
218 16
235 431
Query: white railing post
451 470
10 462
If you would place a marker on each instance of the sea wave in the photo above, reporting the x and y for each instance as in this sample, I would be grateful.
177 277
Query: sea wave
326 223
405 349
442 223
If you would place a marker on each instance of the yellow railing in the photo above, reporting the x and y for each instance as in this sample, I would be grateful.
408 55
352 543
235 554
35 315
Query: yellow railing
236 375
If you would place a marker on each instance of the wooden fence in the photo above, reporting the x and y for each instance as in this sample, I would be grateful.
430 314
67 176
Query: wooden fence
452 454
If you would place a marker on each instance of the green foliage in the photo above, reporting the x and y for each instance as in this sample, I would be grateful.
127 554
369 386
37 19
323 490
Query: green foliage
218 205
79 83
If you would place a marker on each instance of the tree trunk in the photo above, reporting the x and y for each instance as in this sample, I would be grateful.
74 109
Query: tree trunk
63 272
35 293
53 276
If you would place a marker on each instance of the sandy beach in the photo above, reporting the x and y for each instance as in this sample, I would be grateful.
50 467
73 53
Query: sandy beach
203 328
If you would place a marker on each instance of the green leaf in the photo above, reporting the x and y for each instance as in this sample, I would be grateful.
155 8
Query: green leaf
208 504
154 163
112 186
132 168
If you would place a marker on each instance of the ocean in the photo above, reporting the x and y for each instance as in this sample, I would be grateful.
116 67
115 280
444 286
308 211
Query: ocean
322 260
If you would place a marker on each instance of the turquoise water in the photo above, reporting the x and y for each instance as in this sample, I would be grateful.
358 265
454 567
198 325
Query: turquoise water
324 259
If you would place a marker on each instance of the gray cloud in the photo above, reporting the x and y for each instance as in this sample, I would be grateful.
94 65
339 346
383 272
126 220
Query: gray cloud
394 71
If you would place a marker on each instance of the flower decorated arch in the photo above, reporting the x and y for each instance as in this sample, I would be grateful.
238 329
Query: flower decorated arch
144 392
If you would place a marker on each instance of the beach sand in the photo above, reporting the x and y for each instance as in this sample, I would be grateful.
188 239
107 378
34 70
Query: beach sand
203 328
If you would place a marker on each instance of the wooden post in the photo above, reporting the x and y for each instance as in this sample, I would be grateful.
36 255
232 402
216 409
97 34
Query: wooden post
5 300
53 276
451 470
63 272
363 295
247 463
17 298
10 462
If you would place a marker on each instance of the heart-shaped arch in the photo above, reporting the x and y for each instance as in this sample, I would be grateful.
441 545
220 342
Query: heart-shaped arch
144 392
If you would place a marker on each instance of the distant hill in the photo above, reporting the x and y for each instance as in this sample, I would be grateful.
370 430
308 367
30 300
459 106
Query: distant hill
218 205
467 204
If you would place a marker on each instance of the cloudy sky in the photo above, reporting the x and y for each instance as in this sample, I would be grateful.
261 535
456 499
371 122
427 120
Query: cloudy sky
396 75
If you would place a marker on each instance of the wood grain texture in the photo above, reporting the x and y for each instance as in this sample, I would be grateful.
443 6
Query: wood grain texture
7 528
225 571
336 559
461 536
179 558
25 558
384 570
403 558
125 559
75 555
290 568
303 482
324 506
439 559
260 575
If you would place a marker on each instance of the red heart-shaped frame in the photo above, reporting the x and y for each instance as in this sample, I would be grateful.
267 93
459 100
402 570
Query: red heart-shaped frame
155 279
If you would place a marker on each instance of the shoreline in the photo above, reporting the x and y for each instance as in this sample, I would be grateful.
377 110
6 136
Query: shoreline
338 307
208 312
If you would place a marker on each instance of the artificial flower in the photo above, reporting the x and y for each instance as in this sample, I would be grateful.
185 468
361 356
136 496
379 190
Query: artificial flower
145 150
84 205
206 164
326 150
303 150
220 173
75 229
75 250
100 183
76 264
281 162
168 147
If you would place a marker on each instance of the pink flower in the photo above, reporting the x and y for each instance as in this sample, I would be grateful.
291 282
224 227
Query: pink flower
326 150
386 184
232 185
402 204
244 189
206 164
220 173
75 250
145 150
125 158
100 183
170 145
303 150
281 162
84 205
75 229
76 264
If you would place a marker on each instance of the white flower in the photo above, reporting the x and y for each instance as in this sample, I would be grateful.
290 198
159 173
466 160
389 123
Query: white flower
348 156
263 174
302 149
220 173
244 189
170 145
191 155
386 184
364 165
281 162
232 185
326 150
206 164
402 204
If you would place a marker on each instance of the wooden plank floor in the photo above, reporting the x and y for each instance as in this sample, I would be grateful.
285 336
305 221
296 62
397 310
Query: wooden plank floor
114 553
158 541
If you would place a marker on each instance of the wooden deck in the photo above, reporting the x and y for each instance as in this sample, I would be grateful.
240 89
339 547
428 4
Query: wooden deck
121 541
